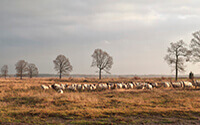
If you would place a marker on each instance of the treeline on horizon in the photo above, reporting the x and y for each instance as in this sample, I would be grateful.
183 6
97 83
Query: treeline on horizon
178 53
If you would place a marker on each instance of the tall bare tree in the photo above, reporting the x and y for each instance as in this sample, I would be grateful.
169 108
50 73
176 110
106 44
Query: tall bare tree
195 47
62 65
176 56
102 60
4 71
21 68
32 70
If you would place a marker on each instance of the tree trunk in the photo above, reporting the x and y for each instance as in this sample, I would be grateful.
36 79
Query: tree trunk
99 73
176 68
21 76
60 75
31 75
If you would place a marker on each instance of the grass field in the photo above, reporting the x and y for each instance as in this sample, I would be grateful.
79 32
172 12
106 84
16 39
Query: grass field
23 101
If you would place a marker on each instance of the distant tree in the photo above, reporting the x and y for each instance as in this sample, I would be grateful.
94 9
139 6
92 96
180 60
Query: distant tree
32 70
4 71
62 65
21 68
195 47
176 56
102 60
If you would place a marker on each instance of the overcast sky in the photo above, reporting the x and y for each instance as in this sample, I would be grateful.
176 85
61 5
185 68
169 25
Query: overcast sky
136 33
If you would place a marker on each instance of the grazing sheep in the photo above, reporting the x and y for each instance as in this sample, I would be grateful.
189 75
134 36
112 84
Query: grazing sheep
124 86
140 85
62 86
154 85
44 87
79 87
177 84
49 86
92 87
130 85
73 87
166 84
102 86
148 86
82 87
56 86
197 83
187 85
119 85
60 91
134 84
109 86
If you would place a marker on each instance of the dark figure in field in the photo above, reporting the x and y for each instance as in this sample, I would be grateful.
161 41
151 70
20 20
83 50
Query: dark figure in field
191 76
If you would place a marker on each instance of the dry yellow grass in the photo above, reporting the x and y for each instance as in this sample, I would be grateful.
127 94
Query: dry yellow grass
23 101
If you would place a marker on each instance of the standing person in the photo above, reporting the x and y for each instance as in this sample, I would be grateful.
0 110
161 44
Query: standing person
191 76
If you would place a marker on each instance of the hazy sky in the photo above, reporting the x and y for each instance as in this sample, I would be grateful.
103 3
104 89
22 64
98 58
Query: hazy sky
135 32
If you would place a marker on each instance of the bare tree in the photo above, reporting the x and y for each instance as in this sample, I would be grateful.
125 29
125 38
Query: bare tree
62 65
102 60
4 71
21 68
177 55
195 47
32 70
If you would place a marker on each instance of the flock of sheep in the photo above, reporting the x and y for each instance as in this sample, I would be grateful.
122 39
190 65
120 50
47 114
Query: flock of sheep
104 86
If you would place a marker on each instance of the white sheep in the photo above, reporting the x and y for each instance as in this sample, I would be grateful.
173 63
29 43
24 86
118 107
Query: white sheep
60 91
140 85
148 86
154 85
124 86
177 84
130 85
56 86
187 85
166 84
62 86
44 87
119 85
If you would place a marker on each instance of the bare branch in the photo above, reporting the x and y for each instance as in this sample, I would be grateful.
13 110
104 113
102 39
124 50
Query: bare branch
62 65
21 68
102 60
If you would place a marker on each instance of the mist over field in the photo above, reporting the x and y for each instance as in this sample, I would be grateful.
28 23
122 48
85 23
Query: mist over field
136 33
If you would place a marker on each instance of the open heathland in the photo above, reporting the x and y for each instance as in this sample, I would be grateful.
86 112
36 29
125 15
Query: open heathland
24 101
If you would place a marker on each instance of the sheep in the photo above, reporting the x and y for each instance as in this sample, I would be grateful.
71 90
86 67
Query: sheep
130 85
140 85
66 86
177 84
82 87
187 85
44 87
73 87
60 91
109 86
154 85
79 86
197 83
166 84
49 86
124 86
102 86
56 86
62 86
148 86
119 85
92 87
134 84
